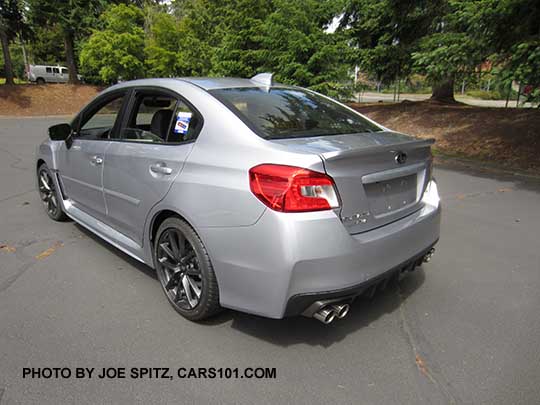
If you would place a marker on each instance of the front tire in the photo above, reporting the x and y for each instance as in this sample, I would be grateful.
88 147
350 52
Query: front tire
185 271
49 194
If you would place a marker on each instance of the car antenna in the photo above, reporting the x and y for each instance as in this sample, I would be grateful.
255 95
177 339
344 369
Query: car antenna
264 79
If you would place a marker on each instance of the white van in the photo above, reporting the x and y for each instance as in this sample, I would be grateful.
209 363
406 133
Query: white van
41 74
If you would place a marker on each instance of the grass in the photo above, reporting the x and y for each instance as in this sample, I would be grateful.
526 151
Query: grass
17 81
406 90
485 95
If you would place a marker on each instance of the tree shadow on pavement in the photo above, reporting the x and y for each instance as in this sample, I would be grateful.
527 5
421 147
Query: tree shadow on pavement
301 330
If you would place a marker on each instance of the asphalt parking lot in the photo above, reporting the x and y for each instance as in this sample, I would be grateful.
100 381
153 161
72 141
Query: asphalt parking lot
464 328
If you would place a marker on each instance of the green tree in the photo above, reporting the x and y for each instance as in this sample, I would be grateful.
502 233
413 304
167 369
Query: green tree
469 32
200 29
17 61
296 46
509 34
10 25
180 43
242 49
283 37
245 37
448 52
74 17
46 45
444 57
385 33
116 51
163 42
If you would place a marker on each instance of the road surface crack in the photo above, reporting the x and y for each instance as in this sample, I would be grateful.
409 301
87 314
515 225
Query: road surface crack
16 160
27 261
15 195
419 359
464 196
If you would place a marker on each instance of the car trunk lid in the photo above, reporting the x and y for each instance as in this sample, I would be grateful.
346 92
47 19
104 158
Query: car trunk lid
380 176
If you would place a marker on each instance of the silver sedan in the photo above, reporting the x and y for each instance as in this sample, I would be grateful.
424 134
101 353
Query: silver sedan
244 193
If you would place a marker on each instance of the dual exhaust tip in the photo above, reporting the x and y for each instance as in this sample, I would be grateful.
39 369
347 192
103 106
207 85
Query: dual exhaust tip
428 255
327 314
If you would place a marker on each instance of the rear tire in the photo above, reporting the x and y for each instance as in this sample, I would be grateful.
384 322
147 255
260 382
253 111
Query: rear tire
185 271
49 194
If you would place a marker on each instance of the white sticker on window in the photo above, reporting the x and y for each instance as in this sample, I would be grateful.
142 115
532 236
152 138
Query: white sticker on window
182 122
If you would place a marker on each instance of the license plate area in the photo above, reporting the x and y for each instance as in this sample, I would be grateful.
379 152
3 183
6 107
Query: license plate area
388 196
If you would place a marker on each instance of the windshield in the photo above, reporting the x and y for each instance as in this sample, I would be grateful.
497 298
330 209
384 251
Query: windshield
291 113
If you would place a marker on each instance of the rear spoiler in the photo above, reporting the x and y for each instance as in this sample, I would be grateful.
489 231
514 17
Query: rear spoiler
352 153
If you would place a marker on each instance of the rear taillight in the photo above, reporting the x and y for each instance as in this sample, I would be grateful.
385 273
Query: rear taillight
292 189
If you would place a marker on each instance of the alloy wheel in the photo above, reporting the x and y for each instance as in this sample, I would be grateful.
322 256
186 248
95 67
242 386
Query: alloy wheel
47 192
179 265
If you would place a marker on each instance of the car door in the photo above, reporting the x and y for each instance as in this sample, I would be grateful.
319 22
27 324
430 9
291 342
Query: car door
64 75
155 140
56 74
49 75
81 165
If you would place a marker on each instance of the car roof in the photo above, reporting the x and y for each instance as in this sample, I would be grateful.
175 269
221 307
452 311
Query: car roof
213 83
206 83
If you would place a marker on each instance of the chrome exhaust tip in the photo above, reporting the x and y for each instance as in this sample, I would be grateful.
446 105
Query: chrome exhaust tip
326 315
341 310
428 255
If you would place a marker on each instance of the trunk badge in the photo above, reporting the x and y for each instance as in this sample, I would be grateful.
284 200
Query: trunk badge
400 157
358 218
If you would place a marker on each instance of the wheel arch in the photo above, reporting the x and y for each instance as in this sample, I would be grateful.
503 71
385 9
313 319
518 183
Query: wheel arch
39 163
156 219
159 217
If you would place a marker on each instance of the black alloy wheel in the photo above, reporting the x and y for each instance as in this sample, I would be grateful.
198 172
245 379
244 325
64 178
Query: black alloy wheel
185 271
49 195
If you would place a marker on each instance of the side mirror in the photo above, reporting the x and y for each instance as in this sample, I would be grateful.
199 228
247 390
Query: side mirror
61 132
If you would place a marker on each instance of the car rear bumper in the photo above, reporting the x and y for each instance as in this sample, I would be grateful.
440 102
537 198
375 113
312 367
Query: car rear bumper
280 265
299 303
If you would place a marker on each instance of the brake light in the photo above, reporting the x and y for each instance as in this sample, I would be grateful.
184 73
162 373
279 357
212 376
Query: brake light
292 189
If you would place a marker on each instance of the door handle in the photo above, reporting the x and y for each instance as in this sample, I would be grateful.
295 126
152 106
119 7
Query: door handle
97 160
160 168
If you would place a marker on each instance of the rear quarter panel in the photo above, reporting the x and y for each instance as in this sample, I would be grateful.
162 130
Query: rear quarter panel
213 187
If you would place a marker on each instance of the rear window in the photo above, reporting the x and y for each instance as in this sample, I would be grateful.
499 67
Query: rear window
291 113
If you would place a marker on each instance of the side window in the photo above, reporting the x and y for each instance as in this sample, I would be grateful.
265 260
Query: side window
48 70
55 70
64 71
186 126
99 123
150 119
